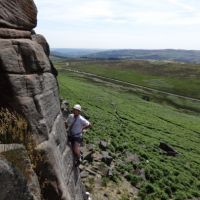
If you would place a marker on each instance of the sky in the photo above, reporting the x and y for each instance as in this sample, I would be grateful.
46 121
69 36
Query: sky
120 24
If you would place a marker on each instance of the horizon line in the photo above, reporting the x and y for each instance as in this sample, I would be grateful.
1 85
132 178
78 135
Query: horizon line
84 48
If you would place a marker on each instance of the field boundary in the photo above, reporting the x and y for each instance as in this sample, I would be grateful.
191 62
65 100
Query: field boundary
116 81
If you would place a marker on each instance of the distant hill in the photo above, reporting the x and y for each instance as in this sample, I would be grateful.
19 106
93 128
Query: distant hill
192 56
72 53
166 54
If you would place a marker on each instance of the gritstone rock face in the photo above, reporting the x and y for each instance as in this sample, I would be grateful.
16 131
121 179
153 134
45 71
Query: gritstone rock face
28 85
18 14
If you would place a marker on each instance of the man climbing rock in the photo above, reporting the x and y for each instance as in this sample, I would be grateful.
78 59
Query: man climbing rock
76 123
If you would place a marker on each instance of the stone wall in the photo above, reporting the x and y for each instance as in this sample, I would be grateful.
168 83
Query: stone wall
28 85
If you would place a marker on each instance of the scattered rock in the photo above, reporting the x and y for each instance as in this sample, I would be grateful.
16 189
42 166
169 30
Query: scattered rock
85 163
134 158
102 169
90 147
168 149
91 172
84 174
81 167
97 156
104 153
110 172
106 158
89 157
146 98
103 145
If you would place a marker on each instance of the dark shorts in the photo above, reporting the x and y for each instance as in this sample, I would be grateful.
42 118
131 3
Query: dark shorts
73 139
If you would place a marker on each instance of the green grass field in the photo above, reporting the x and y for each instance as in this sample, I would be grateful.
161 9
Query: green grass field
131 124
178 78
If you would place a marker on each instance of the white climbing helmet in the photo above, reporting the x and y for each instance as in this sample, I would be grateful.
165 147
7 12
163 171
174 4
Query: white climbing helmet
77 107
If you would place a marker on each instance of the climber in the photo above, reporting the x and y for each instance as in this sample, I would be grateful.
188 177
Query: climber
76 124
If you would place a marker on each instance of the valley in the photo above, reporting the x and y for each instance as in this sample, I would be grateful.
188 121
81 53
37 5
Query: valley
135 126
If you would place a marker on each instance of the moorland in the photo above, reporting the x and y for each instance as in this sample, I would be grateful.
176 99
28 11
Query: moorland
131 124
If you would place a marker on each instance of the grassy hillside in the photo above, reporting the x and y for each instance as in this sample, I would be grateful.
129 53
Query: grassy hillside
178 78
130 124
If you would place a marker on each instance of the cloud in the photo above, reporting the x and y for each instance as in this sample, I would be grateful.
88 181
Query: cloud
153 12
96 9
183 5
104 20
108 39
73 10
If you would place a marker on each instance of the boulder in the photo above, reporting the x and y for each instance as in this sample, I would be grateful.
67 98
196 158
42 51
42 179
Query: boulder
168 149
134 158
103 145
84 174
18 14
89 157
146 98
110 172
101 168
91 147
97 156
106 158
